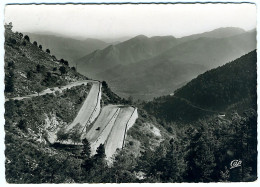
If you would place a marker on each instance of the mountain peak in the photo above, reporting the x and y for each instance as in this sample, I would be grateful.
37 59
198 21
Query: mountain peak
229 29
223 32
141 36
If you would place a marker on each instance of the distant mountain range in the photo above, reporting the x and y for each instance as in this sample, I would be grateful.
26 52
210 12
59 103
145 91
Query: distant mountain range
125 53
216 33
68 48
145 67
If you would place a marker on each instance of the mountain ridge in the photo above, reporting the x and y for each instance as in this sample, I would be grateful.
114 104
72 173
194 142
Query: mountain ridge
141 46
202 53
216 33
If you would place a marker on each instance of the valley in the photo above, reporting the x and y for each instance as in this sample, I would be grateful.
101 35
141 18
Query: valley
145 68
192 110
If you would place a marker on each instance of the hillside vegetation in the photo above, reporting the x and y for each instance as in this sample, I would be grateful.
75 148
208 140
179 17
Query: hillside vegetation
31 122
232 86
29 69
213 120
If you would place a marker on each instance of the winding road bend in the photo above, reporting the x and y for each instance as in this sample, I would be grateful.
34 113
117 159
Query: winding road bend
116 137
102 127
52 90
110 128
88 107
111 125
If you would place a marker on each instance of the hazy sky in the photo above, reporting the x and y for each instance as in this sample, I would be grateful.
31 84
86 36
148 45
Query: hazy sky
105 21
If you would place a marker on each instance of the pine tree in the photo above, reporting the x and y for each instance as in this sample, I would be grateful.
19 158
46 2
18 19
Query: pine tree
100 152
171 167
87 163
200 157
62 70
86 151
26 37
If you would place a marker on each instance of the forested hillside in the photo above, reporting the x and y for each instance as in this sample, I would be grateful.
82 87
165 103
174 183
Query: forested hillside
221 87
204 150
214 121
221 90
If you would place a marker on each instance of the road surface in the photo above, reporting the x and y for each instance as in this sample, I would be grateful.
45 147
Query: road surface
115 139
52 90
189 103
87 108
110 128
107 113
101 129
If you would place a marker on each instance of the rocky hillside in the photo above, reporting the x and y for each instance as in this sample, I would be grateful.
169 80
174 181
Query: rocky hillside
48 96
29 69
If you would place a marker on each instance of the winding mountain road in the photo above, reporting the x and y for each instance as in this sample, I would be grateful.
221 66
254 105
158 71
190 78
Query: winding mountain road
194 106
111 125
52 90
88 108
